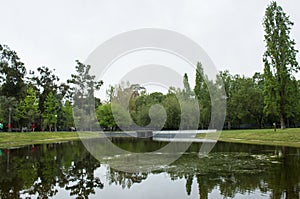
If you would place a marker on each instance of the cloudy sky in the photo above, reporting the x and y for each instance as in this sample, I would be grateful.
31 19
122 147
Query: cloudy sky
56 33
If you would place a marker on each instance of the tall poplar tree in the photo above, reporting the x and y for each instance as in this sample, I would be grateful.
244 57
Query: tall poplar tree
187 92
202 95
279 63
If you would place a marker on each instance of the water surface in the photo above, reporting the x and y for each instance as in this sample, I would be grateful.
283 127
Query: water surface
68 170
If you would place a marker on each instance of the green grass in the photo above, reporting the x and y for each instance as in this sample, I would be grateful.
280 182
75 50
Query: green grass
13 139
287 137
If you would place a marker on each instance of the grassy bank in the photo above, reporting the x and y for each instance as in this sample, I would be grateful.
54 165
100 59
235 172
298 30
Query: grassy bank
287 137
20 139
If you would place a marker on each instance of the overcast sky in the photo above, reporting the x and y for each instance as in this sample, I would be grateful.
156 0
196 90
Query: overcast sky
56 33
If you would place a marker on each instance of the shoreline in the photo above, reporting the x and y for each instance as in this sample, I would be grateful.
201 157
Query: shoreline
20 139
287 137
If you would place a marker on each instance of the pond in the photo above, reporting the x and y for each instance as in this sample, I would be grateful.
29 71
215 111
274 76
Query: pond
68 170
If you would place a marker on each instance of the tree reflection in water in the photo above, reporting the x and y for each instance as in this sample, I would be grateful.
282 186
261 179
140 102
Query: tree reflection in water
124 179
44 170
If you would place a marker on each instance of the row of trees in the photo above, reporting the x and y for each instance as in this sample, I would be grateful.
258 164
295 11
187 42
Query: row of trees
130 106
35 99
258 101
246 105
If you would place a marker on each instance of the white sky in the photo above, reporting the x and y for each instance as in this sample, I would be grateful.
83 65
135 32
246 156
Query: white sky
56 33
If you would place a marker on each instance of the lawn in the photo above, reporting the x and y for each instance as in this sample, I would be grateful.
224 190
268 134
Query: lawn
286 137
20 139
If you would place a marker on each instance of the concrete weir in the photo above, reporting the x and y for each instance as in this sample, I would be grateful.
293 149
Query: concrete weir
182 136
144 134
164 136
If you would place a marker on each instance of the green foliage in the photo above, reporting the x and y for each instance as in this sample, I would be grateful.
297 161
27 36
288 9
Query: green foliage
12 72
142 108
46 82
172 108
189 114
280 61
200 84
51 106
7 103
121 116
28 109
228 81
105 116
202 95
84 86
247 100
244 99
187 92
141 116
67 119
83 81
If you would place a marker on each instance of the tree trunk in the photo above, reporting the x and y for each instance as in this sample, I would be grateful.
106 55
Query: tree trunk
282 122
258 123
42 124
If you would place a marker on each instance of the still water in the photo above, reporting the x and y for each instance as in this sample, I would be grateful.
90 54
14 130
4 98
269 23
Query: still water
67 170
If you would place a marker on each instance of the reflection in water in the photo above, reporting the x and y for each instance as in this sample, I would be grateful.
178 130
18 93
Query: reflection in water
40 170
232 170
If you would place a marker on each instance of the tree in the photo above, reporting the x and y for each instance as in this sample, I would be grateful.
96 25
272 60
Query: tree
105 117
172 108
279 63
47 82
67 119
187 89
257 107
51 106
28 109
227 81
84 82
12 72
189 114
141 109
246 101
7 109
295 117
203 96
84 86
